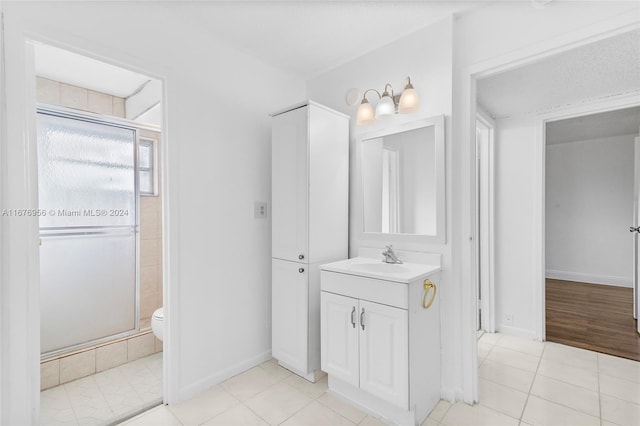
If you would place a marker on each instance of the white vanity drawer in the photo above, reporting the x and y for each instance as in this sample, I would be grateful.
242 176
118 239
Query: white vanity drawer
379 291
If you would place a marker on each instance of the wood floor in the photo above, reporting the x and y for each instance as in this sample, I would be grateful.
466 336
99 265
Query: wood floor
592 316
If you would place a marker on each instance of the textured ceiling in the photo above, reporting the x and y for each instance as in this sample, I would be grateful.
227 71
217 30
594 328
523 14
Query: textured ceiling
594 126
604 68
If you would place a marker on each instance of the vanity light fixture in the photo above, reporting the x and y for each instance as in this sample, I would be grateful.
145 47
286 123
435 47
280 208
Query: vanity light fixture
388 104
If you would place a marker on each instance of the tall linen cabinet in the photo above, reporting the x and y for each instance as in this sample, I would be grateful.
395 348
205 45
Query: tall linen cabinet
310 203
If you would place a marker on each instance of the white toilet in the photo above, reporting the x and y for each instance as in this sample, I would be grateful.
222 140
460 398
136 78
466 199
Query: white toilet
157 322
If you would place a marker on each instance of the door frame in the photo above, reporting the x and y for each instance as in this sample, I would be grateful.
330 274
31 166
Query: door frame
485 229
19 253
612 103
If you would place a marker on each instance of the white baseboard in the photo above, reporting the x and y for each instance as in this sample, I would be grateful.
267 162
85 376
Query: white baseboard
590 278
516 331
201 385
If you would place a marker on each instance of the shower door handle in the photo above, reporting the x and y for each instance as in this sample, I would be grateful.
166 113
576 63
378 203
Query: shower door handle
636 229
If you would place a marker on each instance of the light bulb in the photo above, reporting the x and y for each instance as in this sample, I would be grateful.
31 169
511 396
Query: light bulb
365 113
409 101
385 107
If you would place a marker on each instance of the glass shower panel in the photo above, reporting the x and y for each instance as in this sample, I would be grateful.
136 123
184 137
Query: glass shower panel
87 287
86 173
88 267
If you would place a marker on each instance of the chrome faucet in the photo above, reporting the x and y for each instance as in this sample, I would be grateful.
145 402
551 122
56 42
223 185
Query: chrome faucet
390 256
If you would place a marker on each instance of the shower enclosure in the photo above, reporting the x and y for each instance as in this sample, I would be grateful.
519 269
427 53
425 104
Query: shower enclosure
87 184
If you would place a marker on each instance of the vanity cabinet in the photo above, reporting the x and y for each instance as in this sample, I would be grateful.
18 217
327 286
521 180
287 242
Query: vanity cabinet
309 209
380 345
365 345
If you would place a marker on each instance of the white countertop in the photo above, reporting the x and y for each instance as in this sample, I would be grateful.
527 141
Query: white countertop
377 269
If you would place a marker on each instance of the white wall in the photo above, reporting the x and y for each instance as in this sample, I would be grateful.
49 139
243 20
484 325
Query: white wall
426 57
589 208
217 161
514 246
487 40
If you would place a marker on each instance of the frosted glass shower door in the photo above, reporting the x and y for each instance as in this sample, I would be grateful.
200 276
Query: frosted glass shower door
87 194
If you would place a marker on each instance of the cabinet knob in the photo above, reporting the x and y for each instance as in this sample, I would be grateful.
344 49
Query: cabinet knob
301 256
301 270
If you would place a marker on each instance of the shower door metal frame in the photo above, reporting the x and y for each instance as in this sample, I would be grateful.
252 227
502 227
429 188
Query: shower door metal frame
74 114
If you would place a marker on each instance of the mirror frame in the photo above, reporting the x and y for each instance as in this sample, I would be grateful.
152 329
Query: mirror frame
438 122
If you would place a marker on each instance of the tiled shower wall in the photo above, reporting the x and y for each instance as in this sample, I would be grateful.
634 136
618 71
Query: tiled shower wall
67 367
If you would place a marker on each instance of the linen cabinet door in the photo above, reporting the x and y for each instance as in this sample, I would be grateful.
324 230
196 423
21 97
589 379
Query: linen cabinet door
290 186
339 337
290 313
384 352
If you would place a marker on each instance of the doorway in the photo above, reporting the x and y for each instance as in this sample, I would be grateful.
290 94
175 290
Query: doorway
99 188
589 252
484 222
520 100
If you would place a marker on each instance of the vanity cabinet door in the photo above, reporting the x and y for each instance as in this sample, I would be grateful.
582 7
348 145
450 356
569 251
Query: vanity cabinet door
384 352
339 336
290 186
290 313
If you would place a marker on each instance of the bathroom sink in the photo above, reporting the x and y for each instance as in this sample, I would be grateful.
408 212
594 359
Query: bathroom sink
380 267
375 268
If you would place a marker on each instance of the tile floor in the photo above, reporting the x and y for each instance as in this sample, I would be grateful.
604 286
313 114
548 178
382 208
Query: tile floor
106 396
521 382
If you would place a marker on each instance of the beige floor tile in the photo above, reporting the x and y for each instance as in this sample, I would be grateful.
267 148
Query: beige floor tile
490 338
567 373
55 407
574 357
513 358
371 421
566 394
501 398
312 390
619 367
620 412
483 350
541 412
316 414
278 403
440 410
158 416
506 375
248 384
240 415
203 407
620 388
342 407
429 422
276 371
530 347
461 414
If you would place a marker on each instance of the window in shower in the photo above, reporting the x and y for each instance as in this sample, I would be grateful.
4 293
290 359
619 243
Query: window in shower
87 197
147 166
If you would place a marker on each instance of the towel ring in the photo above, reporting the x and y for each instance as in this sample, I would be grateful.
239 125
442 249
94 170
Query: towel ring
428 286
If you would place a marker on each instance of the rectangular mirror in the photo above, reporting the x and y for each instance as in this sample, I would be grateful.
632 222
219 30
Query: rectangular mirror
403 180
